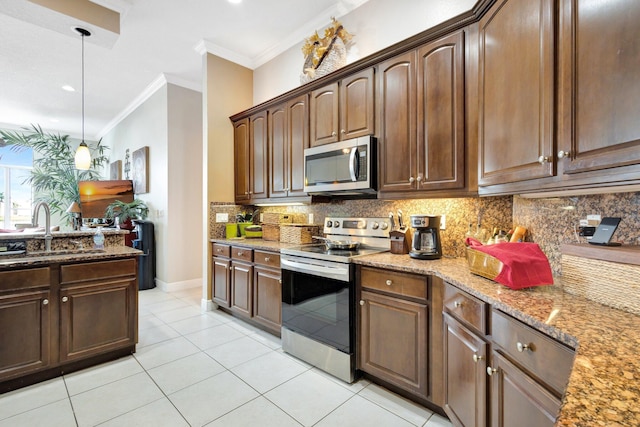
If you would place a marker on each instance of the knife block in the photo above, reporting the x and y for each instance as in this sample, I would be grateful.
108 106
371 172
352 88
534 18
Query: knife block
400 241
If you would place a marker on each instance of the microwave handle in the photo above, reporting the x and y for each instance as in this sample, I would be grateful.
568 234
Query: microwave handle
354 164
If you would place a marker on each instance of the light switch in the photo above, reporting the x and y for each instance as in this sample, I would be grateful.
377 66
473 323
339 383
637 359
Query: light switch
222 217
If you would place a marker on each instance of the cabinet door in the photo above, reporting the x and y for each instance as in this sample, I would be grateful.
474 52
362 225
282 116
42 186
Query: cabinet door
221 281
279 151
393 341
241 159
517 400
97 317
516 114
356 105
600 89
396 106
25 337
258 156
465 356
241 288
324 115
267 297
298 138
441 122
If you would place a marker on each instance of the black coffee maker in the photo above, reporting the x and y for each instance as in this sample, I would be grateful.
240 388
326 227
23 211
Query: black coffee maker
426 237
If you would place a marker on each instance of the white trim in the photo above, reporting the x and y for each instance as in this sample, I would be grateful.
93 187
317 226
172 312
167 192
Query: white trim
207 305
178 286
161 81
205 46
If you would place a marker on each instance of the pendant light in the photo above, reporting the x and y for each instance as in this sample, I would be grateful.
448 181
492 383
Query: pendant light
83 156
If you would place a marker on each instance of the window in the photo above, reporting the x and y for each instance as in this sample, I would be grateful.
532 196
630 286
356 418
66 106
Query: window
16 195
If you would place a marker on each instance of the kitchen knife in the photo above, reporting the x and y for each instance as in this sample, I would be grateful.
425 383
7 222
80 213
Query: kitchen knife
392 222
400 222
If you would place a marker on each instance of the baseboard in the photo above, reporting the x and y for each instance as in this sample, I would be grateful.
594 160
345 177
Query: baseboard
178 286
207 305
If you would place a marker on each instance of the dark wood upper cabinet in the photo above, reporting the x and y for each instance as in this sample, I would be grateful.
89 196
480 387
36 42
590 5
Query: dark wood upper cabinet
250 150
343 109
516 91
599 84
421 105
396 106
288 137
241 159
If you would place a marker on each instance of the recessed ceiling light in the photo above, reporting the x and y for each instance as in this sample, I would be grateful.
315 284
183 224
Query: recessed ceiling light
68 88
235 1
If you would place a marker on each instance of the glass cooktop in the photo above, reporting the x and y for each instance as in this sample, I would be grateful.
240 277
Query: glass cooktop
320 251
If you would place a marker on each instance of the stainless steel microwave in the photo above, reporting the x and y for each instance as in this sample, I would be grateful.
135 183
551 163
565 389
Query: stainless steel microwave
345 168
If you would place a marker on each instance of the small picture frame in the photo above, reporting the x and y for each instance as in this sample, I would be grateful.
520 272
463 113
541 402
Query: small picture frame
140 167
116 170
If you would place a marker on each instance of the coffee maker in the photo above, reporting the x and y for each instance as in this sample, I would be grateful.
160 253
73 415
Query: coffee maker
426 237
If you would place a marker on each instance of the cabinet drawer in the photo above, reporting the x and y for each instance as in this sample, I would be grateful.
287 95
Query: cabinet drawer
23 279
221 250
97 270
544 357
244 254
404 284
268 259
466 308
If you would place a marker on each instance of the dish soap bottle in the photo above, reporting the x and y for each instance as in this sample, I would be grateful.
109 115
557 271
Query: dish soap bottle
98 239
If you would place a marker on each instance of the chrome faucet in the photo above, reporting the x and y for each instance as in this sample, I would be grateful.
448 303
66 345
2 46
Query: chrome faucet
47 232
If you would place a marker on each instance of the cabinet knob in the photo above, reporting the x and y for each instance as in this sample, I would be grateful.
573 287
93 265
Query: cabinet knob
543 159
280 281
231 268
389 282
457 304
45 301
562 154
477 358
411 179
333 134
419 179
246 193
361 302
250 192
267 259
491 371
240 253
522 347
65 299
342 131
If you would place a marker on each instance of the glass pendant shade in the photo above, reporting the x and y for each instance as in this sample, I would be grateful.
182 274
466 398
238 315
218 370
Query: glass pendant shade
83 157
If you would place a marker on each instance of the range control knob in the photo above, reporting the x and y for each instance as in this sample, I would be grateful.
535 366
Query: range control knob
375 225
384 226
329 224
336 224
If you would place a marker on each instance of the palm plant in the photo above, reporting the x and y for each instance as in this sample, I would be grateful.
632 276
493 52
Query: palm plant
126 211
54 177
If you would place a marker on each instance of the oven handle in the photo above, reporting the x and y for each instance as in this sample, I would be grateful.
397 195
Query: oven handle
312 268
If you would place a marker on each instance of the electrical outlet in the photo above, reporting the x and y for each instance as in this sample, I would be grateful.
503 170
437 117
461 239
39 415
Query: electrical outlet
261 217
443 222
222 217
310 218
593 220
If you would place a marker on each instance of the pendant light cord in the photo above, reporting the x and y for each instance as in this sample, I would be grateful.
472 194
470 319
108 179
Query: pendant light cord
82 85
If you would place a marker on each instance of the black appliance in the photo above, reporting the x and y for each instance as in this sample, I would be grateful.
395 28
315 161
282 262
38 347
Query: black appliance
426 237
146 242
318 294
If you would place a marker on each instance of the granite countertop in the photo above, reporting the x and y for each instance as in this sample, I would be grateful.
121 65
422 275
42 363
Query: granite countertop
260 244
604 386
64 256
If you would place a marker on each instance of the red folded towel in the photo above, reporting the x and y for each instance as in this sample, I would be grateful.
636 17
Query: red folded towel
524 264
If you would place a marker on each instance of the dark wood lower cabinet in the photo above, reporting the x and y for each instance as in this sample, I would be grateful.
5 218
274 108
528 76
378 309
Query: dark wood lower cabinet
242 288
63 317
393 341
25 332
517 400
267 298
221 282
465 364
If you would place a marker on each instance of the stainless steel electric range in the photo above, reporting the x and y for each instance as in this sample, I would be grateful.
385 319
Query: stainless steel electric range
318 294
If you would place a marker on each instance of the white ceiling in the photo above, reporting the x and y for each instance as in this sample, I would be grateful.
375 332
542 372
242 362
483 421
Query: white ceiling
157 38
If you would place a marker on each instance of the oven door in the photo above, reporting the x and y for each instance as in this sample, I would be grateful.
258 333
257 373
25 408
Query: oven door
318 307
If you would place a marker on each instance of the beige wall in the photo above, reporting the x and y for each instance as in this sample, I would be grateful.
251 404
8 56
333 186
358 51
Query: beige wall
375 25
169 122
228 89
